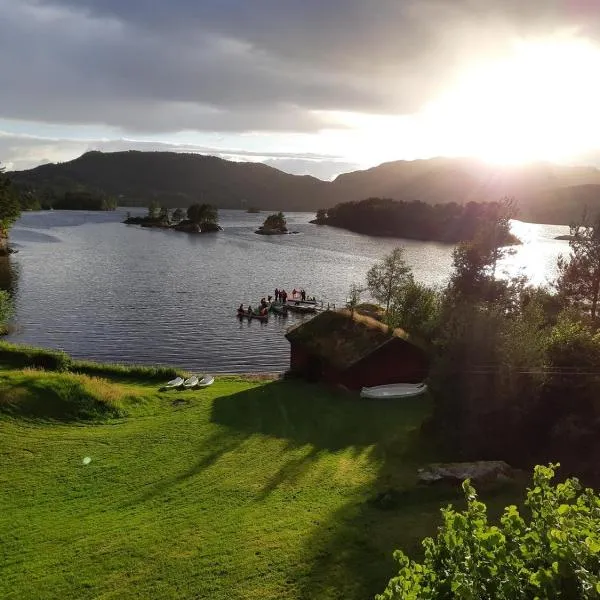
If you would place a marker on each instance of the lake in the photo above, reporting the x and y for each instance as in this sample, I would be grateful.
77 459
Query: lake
88 284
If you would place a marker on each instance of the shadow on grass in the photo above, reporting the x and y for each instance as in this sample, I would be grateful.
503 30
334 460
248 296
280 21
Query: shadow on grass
351 553
209 452
309 414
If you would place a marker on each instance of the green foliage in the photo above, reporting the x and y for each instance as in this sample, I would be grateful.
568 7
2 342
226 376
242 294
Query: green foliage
321 215
19 356
202 213
487 377
354 296
448 222
178 215
163 215
10 209
416 308
578 281
387 278
153 209
6 309
81 199
60 397
552 552
276 222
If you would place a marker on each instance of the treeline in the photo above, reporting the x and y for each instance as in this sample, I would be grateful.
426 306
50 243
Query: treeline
515 376
64 197
448 223
515 368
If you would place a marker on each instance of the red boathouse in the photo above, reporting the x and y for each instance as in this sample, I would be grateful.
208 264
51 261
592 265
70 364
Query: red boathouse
341 348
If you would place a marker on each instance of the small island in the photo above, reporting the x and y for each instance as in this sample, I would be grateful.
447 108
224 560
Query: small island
274 224
448 223
201 218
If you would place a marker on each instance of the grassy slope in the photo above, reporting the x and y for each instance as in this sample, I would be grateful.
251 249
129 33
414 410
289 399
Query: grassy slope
243 490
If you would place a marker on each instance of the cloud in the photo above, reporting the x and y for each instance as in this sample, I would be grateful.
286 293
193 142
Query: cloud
235 65
141 67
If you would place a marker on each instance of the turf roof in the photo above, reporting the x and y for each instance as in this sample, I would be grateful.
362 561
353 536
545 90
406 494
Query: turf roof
341 337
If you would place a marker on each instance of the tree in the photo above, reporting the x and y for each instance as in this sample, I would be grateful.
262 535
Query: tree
321 215
163 214
202 213
276 221
415 308
10 209
578 280
354 297
386 278
153 209
177 215
551 552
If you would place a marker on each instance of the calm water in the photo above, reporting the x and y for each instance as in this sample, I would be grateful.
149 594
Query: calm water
102 290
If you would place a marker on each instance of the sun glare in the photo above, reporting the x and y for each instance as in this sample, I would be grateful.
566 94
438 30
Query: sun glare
542 103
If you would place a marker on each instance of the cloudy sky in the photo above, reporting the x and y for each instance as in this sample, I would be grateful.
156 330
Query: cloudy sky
308 86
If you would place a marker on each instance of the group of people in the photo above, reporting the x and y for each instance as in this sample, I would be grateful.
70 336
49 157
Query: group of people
282 295
263 308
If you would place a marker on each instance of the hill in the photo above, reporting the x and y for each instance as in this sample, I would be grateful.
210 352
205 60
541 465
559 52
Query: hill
178 180
546 193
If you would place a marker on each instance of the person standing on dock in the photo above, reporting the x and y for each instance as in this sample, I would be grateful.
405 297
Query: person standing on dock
303 295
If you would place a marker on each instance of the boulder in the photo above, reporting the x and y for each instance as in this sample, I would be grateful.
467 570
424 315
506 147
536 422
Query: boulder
481 471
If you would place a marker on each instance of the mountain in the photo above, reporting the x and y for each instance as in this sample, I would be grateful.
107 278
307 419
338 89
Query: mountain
178 180
545 193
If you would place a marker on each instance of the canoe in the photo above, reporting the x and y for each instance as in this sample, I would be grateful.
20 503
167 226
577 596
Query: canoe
191 382
205 381
248 315
394 390
175 383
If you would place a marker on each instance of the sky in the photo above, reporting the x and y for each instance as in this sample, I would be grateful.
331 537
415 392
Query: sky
310 87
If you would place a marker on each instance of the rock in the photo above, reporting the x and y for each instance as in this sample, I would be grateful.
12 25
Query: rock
565 237
482 471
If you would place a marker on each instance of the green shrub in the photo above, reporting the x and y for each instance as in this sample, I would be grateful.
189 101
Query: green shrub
60 396
553 552
15 355
117 370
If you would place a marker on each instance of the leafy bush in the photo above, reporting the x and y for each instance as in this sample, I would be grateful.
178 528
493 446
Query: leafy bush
116 370
553 552
61 397
15 355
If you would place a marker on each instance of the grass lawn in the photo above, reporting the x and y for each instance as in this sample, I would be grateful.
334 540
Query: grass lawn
247 489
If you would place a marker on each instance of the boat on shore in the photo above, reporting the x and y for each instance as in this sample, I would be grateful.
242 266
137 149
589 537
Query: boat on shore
394 390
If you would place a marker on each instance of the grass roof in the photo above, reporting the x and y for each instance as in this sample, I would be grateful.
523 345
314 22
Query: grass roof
341 337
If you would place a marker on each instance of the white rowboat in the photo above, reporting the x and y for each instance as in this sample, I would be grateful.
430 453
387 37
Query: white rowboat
191 382
175 383
394 390
205 381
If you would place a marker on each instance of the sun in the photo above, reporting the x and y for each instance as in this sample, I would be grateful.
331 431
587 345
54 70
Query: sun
540 103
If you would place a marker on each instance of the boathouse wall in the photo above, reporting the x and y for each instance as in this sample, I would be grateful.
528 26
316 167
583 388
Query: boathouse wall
397 361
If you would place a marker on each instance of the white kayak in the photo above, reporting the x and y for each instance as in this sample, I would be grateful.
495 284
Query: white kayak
191 382
394 390
206 380
175 383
